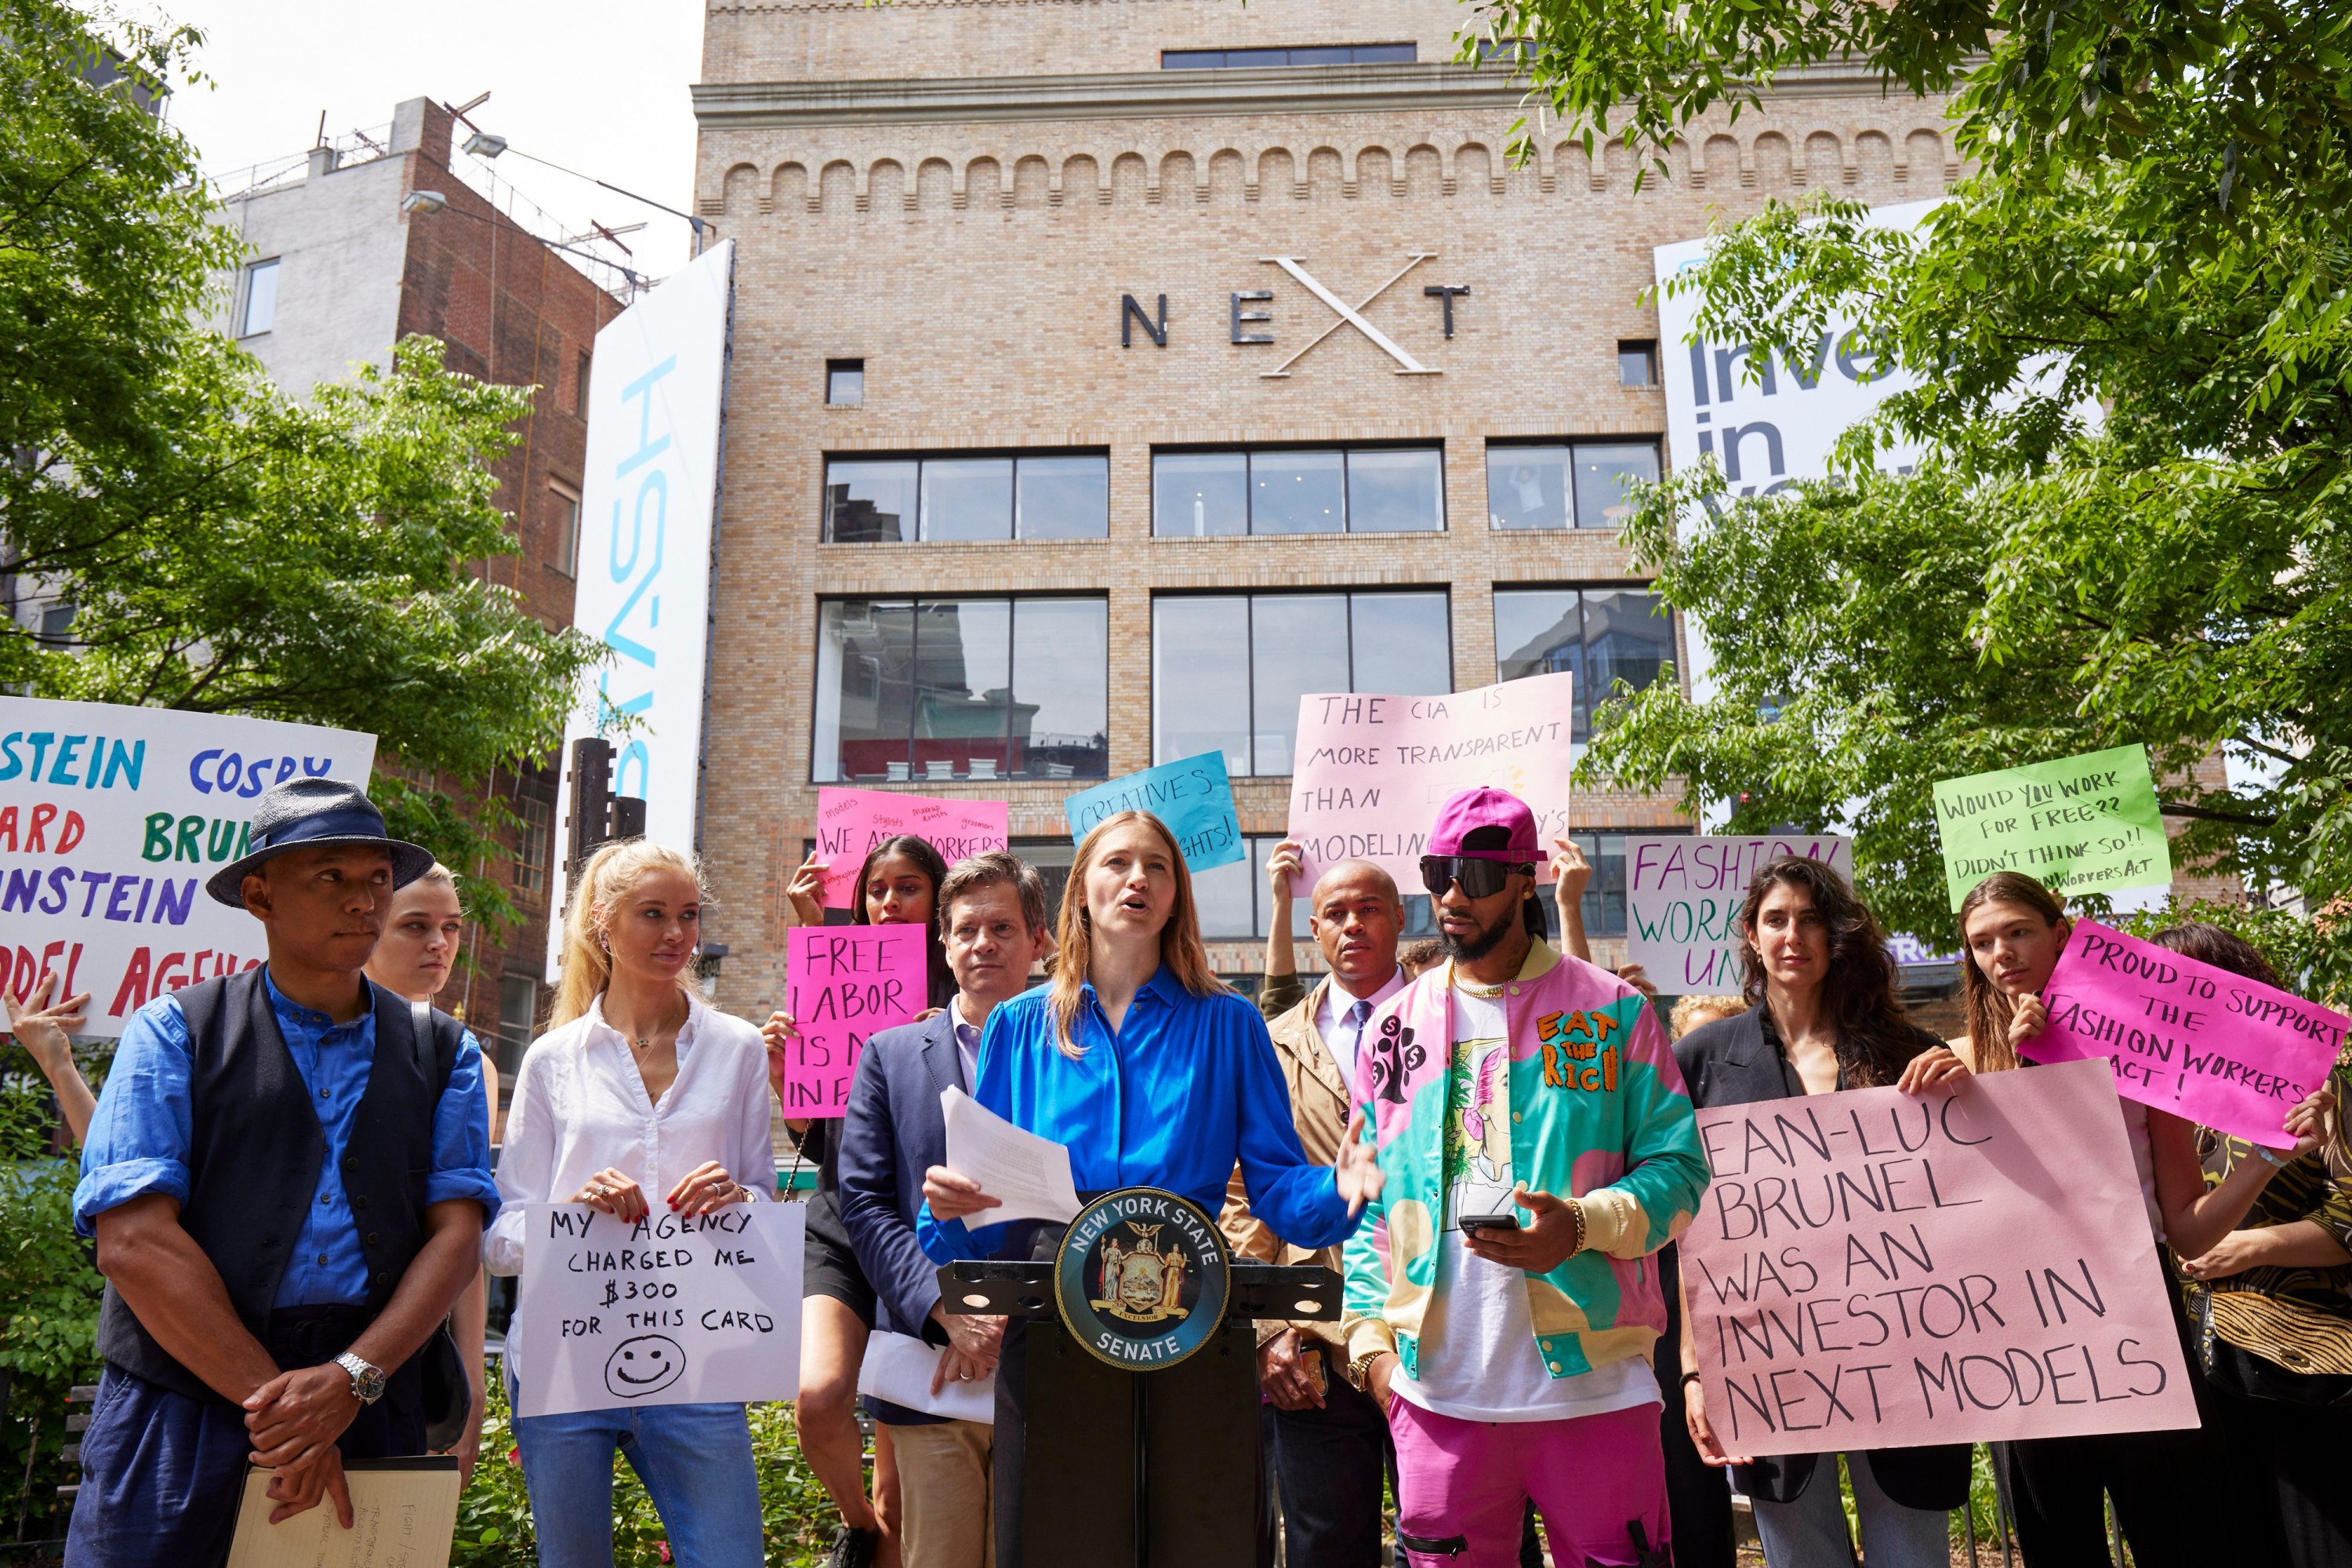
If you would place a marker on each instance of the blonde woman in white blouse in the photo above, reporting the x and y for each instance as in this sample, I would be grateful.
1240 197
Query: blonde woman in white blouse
638 1095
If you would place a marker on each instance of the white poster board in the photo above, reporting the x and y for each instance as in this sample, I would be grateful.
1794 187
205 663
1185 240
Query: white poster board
661 1311
1683 895
648 505
111 819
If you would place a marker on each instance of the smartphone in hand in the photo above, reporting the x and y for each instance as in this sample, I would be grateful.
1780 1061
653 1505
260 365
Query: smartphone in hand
1473 1223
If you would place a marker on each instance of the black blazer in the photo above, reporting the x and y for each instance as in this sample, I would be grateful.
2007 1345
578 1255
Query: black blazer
1738 1061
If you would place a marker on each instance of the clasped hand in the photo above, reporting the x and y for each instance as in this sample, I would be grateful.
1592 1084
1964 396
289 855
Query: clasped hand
294 1420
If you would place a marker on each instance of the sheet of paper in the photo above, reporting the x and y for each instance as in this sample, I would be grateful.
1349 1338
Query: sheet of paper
1874 1270
847 983
1192 795
403 1512
1372 770
668 1309
851 822
2187 1037
1682 897
900 1368
2080 824
1029 1173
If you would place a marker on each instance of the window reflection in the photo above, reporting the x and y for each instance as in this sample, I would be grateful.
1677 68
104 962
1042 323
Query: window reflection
1196 494
870 502
1602 474
1399 491
1047 496
1062 497
1582 485
967 498
1599 635
1200 679
1372 490
1297 492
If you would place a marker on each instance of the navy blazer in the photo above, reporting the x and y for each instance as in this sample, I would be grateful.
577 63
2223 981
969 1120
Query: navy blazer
893 1131
1738 1061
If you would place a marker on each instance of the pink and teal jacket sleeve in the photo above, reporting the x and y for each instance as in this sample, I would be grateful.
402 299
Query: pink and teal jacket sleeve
1598 1113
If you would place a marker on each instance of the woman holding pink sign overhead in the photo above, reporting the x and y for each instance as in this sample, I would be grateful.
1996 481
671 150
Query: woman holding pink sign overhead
898 884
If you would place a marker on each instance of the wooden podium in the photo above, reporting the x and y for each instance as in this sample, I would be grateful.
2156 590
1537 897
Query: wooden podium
1120 1468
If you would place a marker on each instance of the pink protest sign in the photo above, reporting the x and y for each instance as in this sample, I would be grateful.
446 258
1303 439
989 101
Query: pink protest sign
1372 771
851 822
1873 1269
2203 1043
847 983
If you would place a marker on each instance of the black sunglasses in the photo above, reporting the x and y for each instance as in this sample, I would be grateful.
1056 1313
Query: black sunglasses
1479 879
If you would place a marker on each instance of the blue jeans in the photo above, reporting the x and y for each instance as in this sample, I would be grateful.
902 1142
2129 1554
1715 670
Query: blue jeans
694 1459
1810 1533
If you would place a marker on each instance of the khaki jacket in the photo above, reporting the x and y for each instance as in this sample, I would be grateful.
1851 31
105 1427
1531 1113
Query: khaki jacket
1320 1101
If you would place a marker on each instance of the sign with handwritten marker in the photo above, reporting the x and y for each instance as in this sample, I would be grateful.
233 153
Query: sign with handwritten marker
2082 825
1191 795
1873 1269
1373 770
668 1309
851 822
2202 1042
112 819
1683 896
846 984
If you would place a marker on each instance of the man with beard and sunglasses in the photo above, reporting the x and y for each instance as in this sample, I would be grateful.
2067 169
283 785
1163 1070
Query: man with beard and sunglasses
1502 1307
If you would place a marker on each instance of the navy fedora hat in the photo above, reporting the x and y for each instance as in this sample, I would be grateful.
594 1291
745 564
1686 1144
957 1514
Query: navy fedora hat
315 813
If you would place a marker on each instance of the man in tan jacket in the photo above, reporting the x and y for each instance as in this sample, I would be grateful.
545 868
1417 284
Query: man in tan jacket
1327 1440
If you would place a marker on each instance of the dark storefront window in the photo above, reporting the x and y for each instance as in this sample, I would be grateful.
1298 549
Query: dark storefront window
1604 634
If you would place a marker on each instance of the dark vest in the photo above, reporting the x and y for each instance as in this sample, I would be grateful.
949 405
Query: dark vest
254 1149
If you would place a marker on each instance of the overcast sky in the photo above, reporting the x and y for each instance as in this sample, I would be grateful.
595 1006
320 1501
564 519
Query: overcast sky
597 85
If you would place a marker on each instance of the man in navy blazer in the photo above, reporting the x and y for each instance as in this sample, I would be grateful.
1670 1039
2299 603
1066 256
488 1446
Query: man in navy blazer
993 922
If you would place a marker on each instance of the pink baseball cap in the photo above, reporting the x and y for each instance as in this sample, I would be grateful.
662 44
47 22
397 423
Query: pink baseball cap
1489 814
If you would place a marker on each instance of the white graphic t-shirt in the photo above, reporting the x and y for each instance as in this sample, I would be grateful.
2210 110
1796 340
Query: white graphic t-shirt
1479 1361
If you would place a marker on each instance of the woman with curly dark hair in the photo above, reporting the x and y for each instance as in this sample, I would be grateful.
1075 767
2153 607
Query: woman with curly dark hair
1822 1017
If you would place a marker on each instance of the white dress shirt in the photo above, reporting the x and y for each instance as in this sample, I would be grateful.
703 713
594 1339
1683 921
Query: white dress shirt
1341 1020
580 1106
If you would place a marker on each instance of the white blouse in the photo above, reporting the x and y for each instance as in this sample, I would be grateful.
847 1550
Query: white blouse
579 1107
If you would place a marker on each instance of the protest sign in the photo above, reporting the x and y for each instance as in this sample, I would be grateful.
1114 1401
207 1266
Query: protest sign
1873 1269
1683 894
846 982
667 1310
1193 796
111 819
851 822
2199 1041
2080 825
1373 770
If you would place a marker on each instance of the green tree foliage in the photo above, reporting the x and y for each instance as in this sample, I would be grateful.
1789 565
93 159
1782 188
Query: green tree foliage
2159 226
228 548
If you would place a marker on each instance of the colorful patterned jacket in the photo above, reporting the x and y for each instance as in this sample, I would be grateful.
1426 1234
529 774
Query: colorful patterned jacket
1598 1113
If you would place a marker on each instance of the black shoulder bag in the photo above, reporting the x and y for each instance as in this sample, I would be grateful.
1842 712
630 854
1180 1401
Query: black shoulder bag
449 1392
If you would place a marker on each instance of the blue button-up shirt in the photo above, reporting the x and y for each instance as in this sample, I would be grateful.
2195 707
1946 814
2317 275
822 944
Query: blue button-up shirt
140 1134
1184 1088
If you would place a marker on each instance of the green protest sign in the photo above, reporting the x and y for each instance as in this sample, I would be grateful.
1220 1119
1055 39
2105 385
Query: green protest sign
2080 825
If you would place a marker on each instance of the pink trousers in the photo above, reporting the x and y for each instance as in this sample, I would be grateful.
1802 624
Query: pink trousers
1465 1484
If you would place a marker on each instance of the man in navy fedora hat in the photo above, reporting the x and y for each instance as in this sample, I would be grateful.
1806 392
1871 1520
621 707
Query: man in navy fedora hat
288 1180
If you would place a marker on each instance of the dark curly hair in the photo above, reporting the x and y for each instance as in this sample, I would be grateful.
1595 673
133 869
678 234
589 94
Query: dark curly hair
2221 949
1875 1040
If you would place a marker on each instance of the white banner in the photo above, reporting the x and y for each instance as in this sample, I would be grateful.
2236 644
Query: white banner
661 1311
110 821
648 502
1683 894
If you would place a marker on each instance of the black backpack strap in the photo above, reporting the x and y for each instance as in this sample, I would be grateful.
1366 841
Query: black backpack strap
436 1038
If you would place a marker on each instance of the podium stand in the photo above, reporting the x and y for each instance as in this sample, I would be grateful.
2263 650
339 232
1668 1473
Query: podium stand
1123 1469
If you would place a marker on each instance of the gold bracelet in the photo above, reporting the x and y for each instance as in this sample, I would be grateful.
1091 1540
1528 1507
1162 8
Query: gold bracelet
1575 1206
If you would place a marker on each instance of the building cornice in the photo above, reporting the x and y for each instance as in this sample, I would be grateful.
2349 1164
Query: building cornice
1160 95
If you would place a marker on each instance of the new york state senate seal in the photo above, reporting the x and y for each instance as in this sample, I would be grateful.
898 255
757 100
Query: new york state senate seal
1143 1279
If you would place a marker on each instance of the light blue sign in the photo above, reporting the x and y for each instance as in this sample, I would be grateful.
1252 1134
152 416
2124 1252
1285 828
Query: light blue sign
1193 796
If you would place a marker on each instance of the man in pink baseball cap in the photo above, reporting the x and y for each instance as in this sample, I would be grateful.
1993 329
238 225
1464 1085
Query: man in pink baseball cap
1505 1313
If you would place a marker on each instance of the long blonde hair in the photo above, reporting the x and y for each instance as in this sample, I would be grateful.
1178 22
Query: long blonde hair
1179 939
604 882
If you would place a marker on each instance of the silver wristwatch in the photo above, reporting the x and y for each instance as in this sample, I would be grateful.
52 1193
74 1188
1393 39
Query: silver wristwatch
367 1380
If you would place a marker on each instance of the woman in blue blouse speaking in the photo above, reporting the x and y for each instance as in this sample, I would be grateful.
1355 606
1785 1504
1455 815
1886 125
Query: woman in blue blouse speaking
1152 1071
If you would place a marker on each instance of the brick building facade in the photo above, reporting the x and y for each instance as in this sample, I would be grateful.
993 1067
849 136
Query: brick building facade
960 200
338 271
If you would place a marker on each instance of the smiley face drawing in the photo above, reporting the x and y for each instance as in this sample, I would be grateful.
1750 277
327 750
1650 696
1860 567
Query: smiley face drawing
646 1364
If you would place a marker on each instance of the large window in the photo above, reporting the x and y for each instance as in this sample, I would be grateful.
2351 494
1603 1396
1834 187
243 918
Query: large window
1604 634
899 500
932 690
1308 55
1324 489
1227 670
1581 485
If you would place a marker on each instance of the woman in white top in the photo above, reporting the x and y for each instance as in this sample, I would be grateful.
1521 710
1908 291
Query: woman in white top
637 1090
